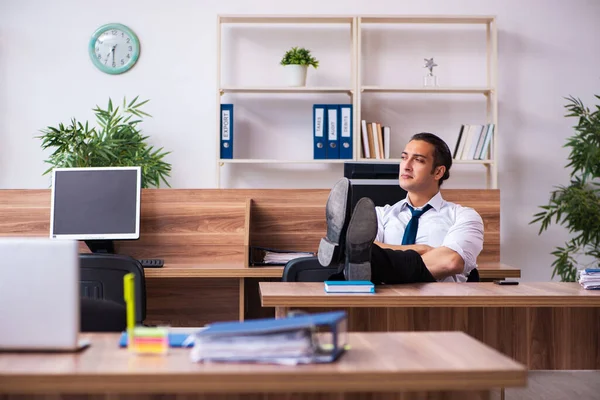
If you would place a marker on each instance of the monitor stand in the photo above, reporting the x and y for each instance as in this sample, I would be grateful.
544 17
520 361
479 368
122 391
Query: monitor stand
101 246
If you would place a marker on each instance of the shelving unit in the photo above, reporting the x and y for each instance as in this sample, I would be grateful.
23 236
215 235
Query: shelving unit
357 88
350 89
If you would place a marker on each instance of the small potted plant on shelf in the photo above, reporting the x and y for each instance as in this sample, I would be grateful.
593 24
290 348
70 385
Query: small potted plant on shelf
296 62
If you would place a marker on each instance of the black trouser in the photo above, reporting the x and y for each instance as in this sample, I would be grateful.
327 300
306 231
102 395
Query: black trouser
395 266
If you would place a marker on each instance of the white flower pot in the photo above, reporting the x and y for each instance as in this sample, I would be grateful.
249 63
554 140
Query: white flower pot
296 74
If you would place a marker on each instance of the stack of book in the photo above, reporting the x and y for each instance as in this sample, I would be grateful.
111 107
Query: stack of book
589 278
288 341
375 140
473 142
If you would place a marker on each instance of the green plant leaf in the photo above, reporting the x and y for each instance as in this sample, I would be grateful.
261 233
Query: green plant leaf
299 56
577 206
116 141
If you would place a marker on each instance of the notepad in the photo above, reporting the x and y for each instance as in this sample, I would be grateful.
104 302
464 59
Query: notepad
349 287
176 339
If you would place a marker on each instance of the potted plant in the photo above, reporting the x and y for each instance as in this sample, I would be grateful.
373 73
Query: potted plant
116 142
296 62
577 206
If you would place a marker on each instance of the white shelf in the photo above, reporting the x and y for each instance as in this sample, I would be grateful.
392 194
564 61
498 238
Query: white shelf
261 161
427 19
286 19
358 90
306 89
449 90
397 160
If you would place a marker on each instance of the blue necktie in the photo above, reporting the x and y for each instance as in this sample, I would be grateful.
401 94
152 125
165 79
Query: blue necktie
410 233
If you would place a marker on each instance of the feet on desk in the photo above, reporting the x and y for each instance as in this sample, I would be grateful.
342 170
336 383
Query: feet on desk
350 235
337 214
361 233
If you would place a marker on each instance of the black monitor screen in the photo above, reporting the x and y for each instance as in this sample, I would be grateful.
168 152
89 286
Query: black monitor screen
378 181
96 203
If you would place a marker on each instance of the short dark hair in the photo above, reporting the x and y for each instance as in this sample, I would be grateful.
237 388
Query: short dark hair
441 153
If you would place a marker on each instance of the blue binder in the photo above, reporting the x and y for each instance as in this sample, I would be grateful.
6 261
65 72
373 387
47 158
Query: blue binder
345 128
319 124
333 139
227 131
333 323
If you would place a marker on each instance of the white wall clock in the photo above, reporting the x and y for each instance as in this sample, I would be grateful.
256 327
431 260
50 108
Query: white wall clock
114 48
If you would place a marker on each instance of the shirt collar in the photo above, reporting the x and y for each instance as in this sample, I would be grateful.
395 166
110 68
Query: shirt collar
437 202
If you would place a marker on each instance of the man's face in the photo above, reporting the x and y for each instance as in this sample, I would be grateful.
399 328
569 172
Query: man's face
416 167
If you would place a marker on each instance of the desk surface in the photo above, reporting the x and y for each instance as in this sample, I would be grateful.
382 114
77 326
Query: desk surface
379 362
177 270
481 294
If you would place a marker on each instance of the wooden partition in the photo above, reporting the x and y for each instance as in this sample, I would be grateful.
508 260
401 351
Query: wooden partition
204 235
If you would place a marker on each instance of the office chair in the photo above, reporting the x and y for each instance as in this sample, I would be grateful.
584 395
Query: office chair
100 315
306 269
101 283
473 276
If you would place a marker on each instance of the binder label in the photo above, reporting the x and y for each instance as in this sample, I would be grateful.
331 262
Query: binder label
226 119
319 114
346 122
332 133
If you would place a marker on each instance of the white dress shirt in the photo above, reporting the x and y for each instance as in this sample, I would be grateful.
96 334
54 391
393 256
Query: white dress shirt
445 224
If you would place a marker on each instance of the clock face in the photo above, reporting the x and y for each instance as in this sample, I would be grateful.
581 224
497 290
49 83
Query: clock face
114 48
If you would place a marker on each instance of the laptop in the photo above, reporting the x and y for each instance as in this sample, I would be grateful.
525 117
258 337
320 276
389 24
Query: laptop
39 295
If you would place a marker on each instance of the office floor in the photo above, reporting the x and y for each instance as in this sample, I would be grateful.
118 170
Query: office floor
557 385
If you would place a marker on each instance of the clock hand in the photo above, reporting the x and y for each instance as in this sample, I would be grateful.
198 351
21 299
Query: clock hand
113 54
107 55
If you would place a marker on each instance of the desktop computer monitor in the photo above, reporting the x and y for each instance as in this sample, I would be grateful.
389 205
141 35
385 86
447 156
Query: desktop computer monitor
96 205
378 181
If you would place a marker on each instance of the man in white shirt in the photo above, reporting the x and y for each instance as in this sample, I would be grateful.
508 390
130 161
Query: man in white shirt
382 244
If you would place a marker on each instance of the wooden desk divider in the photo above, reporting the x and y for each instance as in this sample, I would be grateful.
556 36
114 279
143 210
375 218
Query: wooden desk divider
204 236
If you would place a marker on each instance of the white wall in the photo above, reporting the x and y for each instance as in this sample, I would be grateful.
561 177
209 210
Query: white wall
547 50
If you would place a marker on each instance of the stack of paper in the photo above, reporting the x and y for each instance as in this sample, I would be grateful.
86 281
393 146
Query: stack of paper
288 341
590 278
272 257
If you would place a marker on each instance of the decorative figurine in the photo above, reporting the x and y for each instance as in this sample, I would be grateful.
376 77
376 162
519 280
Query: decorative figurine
430 80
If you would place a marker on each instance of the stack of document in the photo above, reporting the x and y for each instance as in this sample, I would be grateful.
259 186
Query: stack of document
589 278
288 341
272 257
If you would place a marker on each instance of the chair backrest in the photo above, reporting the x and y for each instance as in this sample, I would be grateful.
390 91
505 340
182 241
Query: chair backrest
306 269
473 276
101 315
101 277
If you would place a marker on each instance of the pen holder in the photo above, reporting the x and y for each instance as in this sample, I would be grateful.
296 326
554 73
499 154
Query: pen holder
148 340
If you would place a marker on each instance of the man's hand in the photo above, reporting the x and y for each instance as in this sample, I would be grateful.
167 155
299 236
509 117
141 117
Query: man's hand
419 248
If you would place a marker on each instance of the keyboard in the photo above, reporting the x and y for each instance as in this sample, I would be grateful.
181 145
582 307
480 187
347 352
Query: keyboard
152 262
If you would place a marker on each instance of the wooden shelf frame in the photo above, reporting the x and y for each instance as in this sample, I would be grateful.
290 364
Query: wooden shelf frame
356 89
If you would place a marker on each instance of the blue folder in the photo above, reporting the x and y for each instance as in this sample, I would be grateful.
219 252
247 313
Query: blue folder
226 131
319 131
268 325
345 129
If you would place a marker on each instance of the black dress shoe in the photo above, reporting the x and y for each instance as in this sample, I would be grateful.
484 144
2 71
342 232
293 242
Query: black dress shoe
361 233
337 213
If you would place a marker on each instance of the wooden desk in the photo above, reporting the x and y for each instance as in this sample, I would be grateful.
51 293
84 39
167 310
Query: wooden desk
547 325
204 236
380 365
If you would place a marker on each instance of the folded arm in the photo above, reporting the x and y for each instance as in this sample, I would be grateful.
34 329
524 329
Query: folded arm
462 244
459 250
440 261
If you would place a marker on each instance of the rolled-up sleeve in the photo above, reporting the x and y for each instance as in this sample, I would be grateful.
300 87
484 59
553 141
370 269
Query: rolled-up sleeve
466 237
